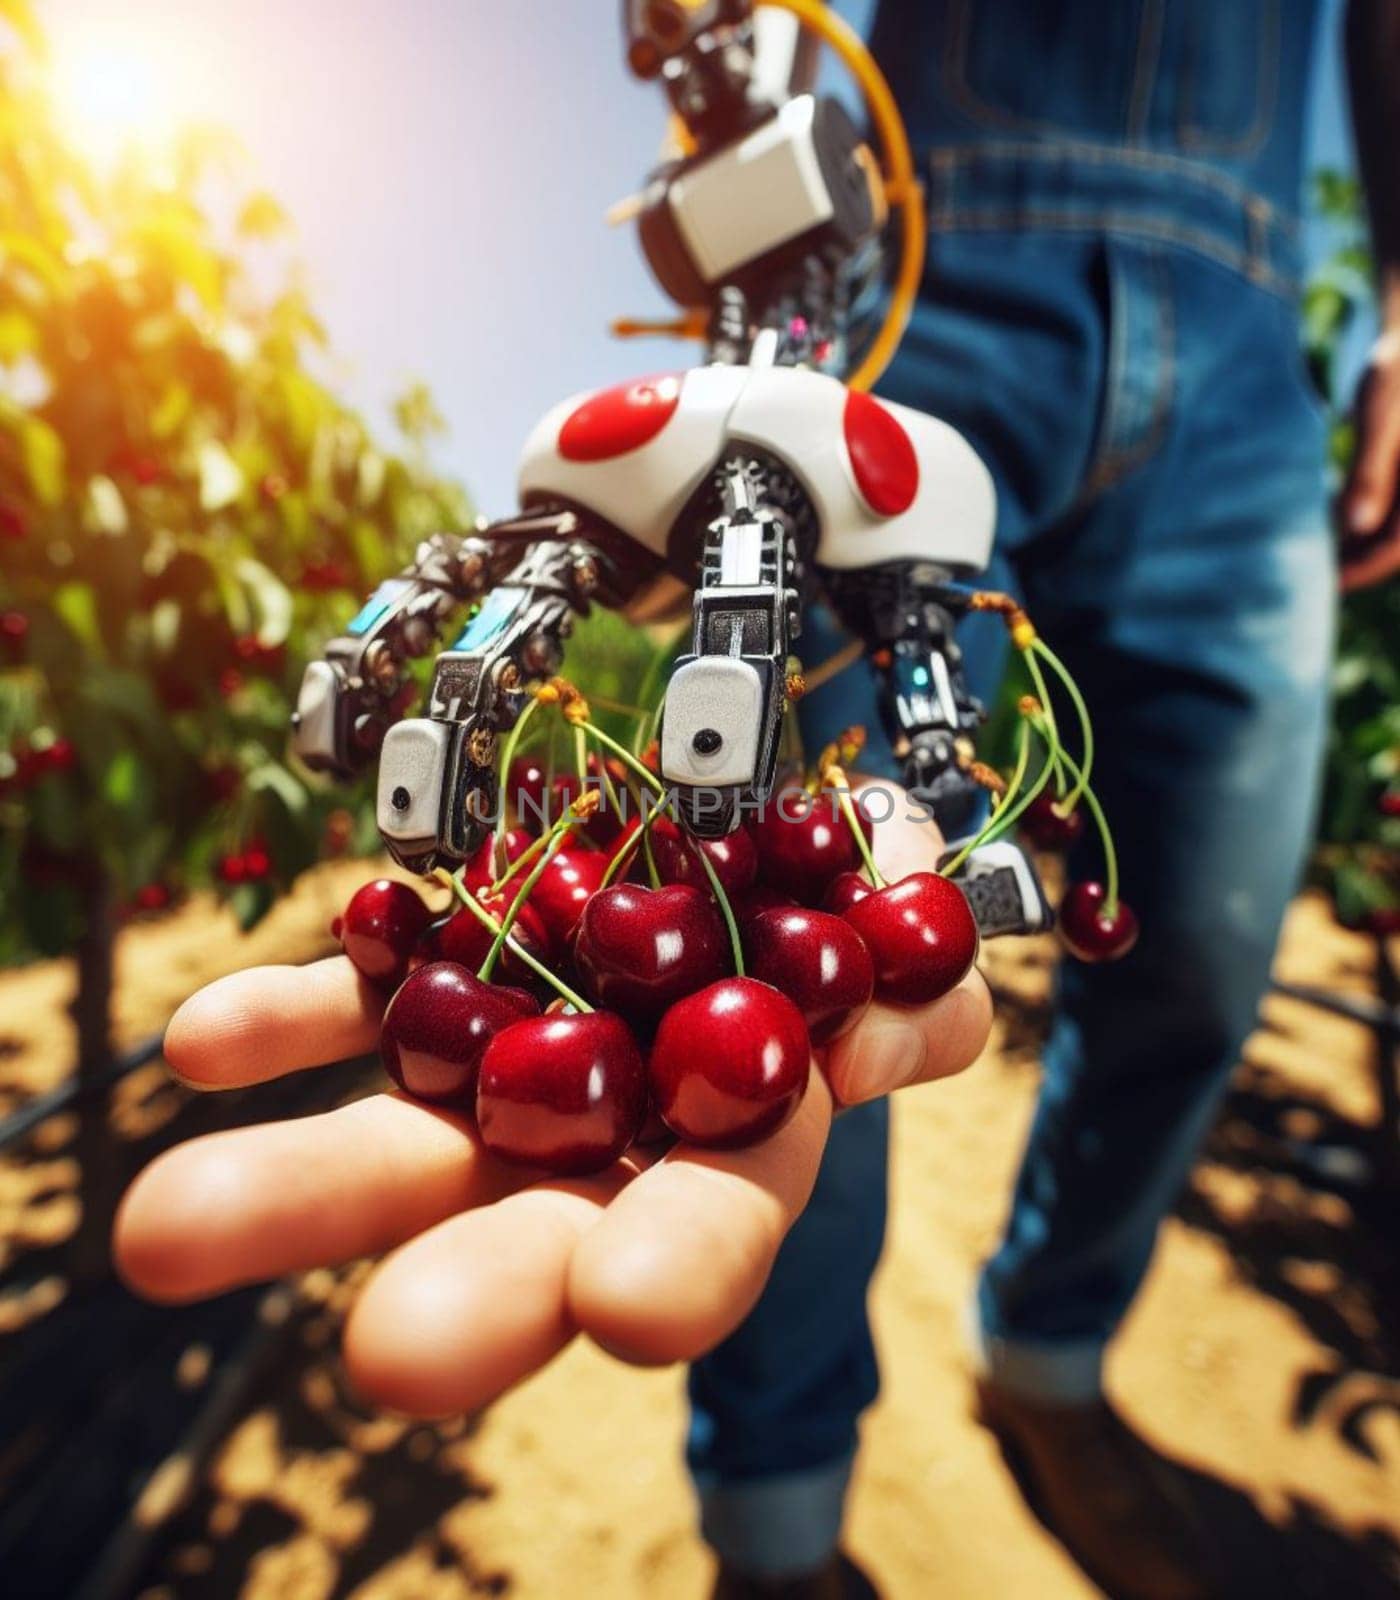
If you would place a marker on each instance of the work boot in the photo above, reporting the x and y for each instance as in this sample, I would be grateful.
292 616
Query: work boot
839 1579
1121 1510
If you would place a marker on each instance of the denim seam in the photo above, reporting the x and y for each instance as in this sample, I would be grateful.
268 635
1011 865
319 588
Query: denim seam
1111 466
1088 153
952 220
1265 100
1145 69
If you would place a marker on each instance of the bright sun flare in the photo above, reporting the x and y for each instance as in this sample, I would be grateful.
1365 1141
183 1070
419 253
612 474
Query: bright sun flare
111 97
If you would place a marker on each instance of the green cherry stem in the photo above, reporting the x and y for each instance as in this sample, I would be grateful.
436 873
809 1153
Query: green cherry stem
1042 692
620 862
842 790
735 943
1110 854
532 850
1008 807
483 916
557 835
508 756
1086 726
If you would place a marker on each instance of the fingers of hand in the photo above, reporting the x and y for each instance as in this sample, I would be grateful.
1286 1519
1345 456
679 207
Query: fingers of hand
459 1314
269 1021
906 837
1370 493
679 1258
892 1047
254 1203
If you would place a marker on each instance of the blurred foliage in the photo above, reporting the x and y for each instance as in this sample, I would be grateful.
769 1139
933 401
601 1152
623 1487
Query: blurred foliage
186 512
1358 850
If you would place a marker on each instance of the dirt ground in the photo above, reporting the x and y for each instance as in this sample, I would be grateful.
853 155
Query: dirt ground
1264 1355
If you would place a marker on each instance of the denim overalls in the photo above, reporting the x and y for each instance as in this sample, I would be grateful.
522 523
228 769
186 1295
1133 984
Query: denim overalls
1110 315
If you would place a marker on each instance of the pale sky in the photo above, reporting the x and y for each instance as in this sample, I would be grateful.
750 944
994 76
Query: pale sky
447 164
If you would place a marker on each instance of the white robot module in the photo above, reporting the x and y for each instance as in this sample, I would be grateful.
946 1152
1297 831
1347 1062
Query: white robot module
761 478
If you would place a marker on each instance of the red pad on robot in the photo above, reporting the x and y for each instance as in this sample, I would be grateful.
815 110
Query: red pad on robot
882 456
623 418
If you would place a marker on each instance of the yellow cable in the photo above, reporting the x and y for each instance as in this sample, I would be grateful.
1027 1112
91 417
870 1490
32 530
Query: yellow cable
901 185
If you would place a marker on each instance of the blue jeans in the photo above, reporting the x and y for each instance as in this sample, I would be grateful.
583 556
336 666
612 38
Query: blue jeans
1158 457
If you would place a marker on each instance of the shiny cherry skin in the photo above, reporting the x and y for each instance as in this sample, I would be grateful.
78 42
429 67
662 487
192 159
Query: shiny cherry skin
1046 829
843 891
566 1092
921 935
819 962
437 1028
464 939
803 842
734 858
753 903
380 928
528 793
639 950
728 1066
564 888
1087 929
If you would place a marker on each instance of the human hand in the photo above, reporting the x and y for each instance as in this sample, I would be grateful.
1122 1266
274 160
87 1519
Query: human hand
1370 502
490 1273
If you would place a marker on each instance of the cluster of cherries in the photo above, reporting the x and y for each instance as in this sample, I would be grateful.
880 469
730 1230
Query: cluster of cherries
25 764
648 982
251 864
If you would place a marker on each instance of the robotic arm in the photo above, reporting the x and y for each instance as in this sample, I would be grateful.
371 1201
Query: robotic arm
437 793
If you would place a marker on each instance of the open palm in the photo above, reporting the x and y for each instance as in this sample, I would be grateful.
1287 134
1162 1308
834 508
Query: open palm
490 1273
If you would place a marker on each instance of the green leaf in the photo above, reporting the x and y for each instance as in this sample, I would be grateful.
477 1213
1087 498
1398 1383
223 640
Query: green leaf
220 479
272 779
43 454
271 601
262 217
76 604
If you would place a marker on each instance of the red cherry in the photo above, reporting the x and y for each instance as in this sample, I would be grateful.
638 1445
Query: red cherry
729 1064
14 524
437 1028
734 858
843 891
752 903
257 863
1388 804
803 842
14 630
566 1092
563 890
640 950
231 869
1043 825
60 756
381 928
230 682
921 936
464 939
151 897
819 962
528 792
223 781
321 577
1087 929
146 470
